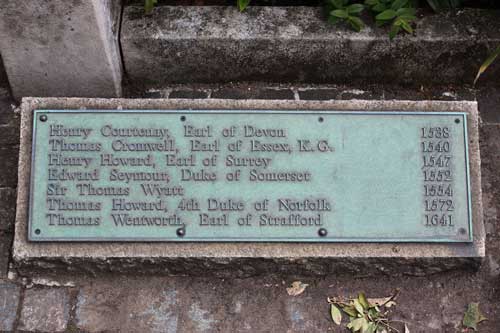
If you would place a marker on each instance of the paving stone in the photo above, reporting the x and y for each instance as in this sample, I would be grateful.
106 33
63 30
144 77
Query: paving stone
9 301
45 310
108 307
98 308
253 306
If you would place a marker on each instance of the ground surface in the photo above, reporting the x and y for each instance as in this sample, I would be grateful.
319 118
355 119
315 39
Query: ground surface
260 304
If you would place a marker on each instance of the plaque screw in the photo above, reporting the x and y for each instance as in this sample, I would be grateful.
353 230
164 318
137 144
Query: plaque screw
462 231
322 232
183 118
457 121
181 232
43 117
320 119
37 231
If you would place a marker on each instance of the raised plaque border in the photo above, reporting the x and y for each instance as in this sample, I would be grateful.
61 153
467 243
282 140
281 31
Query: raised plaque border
462 115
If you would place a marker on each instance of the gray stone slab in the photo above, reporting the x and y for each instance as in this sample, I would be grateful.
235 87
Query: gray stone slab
9 302
61 48
109 306
45 310
230 259
217 44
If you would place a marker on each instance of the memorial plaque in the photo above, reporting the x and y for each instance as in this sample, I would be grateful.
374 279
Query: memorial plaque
249 176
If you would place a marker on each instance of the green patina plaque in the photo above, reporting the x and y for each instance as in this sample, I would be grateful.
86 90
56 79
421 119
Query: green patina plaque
265 176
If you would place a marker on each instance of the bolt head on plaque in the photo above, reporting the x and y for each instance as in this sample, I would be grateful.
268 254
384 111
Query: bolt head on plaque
322 232
43 118
181 232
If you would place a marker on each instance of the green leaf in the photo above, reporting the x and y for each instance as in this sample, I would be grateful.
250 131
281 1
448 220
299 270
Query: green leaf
350 310
371 2
340 13
356 23
336 314
407 18
373 313
339 4
395 29
405 12
487 63
371 328
243 4
386 15
149 5
355 8
379 8
472 316
363 301
333 19
406 26
398 4
358 307
358 323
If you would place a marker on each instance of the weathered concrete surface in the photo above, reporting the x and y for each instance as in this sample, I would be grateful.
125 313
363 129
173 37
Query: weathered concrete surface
244 259
61 48
296 44
45 310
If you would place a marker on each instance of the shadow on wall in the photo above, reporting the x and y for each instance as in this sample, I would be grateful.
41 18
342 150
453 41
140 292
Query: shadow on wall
4 81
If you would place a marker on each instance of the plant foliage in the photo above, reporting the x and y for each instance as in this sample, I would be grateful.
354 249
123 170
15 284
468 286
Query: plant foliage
365 315
472 316
149 5
487 63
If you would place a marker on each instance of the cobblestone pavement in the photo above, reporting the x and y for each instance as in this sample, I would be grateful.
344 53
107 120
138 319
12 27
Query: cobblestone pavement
112 303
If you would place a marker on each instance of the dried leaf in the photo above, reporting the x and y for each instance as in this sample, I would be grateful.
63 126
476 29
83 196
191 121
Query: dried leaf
384 300
336 314
407 330
472 316
379 301
297 288
389 304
